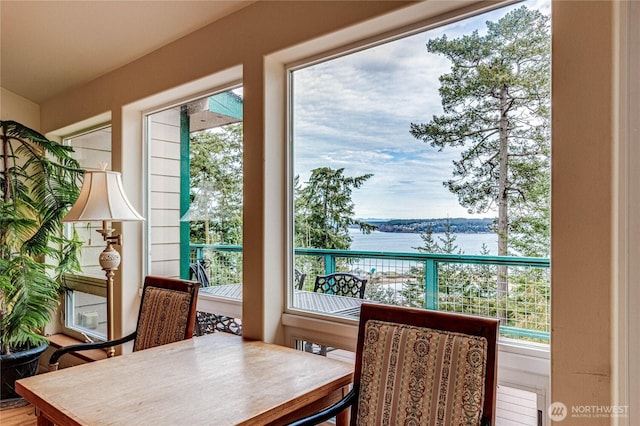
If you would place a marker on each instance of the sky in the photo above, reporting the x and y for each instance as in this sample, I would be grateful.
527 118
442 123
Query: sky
354 112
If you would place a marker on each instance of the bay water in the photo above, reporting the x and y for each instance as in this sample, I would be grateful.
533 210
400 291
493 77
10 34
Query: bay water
407 242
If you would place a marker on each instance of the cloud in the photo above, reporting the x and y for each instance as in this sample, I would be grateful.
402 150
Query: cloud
355 112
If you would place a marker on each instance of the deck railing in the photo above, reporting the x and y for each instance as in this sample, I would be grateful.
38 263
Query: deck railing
515 290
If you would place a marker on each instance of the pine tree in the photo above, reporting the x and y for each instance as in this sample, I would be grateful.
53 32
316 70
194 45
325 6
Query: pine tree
325 210
216 185
496 103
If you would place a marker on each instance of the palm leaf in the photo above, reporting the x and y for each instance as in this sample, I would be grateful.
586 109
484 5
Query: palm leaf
38 185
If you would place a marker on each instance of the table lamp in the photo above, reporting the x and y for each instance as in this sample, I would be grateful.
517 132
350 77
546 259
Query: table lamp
102 198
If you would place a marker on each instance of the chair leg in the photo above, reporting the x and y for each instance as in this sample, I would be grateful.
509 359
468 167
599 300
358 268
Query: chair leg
198 328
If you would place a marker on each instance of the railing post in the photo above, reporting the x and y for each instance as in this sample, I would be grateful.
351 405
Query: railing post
431 284
185 192
329 264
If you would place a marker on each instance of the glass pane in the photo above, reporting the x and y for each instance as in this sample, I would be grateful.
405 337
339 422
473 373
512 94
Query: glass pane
421 169
92 150
323 350
195 183
86 313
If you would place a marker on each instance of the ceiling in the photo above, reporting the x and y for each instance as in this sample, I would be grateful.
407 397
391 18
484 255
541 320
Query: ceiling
49 47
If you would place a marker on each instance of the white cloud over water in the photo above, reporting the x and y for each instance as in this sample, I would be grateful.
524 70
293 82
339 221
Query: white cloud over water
355 112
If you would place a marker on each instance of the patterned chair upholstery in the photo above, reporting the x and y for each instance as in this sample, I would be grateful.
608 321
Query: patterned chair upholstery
341 283
420 367
167 314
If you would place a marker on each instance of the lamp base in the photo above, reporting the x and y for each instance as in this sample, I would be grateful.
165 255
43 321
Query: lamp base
109 259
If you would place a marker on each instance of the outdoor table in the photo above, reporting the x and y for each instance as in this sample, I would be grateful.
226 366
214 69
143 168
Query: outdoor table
227 300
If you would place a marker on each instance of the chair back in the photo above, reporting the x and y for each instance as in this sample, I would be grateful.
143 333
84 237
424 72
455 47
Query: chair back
198 272
167 312
341 284
417 366
299 279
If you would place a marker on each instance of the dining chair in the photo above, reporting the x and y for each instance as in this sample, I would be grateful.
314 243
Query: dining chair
167 314
415 366
341 284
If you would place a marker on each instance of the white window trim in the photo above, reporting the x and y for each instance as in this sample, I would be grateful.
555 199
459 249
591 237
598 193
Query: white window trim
626 296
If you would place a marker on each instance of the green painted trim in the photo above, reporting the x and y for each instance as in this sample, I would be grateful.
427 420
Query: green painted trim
226 103
185 192
329 264
431 272
523 332
431 284
536 262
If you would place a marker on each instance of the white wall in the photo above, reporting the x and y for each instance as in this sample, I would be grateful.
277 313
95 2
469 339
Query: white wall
17 108
164 192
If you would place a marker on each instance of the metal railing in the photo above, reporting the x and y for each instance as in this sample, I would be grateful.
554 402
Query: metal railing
515 290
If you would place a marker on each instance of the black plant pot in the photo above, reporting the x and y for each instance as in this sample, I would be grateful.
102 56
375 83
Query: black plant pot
18 365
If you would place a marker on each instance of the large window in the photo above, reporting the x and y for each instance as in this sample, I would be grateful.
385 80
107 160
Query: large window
195 191
421 167
85 293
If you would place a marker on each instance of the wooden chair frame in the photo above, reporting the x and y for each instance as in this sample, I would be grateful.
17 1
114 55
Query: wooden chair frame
186 286
465 324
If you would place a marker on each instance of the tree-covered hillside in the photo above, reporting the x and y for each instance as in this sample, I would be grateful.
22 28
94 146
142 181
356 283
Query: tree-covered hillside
459 225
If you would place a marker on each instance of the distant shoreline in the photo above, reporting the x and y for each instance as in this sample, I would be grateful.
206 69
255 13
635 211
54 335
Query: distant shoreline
436 225
435 232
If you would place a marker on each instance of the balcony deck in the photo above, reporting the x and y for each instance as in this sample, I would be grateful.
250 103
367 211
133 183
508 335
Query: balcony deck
515 290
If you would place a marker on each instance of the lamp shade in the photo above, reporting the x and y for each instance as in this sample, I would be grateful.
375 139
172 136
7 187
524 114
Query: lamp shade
102 198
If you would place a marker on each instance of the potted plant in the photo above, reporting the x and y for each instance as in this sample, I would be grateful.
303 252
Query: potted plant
38 183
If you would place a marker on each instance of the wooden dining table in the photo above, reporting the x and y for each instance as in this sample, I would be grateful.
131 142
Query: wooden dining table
217 379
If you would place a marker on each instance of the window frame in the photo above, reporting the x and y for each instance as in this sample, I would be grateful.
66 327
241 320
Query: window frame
521 365
327 56
86 283
184 250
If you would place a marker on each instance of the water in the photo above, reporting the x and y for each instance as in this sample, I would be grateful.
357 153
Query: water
406 243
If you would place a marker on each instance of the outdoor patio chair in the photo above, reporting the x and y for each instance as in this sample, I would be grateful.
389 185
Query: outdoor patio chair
198 272
207 322
415 366
167 314
299 279
341 284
